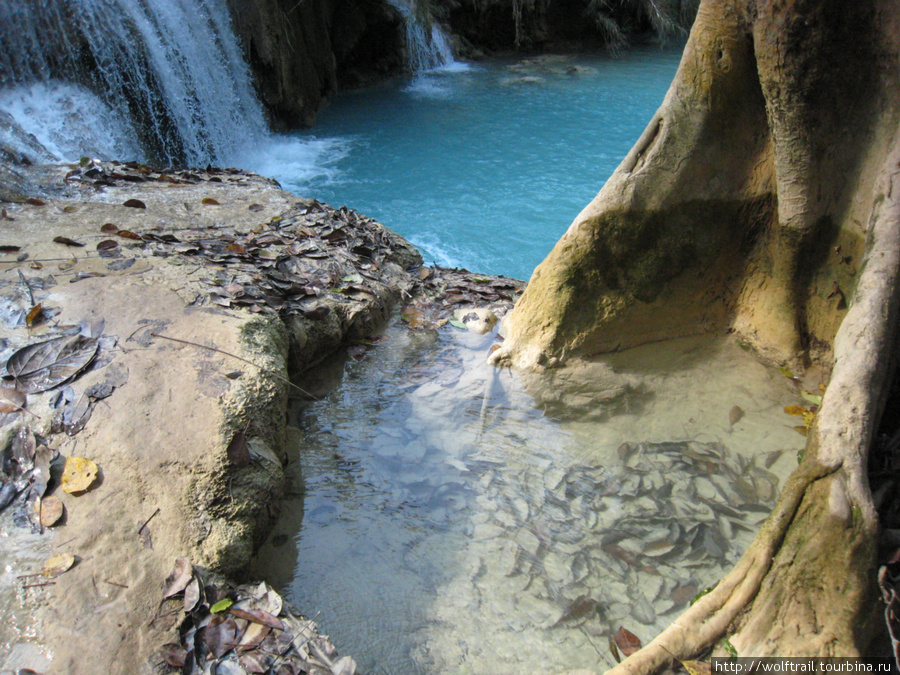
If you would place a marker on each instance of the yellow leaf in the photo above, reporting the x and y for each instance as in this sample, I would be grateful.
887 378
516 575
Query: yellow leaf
795 409
697 667
34 315
56 565
808 418
209 201
801 430
78 475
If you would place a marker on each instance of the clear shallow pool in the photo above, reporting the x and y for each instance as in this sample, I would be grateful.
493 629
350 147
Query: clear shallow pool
482 166
444 516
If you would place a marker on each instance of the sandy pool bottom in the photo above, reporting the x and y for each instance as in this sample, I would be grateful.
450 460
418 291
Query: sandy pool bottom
446 516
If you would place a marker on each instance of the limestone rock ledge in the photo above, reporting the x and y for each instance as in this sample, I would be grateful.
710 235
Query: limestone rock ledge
201 370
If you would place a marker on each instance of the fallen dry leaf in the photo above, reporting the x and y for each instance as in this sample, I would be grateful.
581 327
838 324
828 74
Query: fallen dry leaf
11 400
58 564
237 451
128 234
44 365
179 577
52 511
79 474
34 315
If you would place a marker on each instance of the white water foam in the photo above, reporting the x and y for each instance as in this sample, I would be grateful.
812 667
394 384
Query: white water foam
302 159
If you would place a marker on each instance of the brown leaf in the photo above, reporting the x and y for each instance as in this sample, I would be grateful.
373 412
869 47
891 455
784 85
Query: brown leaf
614 650
107 244
627 641
255 633
236 248
209 201
191 594
34 201
735 415
220 635
128 234
34 315
70 209
52 511
258 616
9 249
254 663
256 207
11 400
135 204
109 228
173 654
237 451
178 578
66 241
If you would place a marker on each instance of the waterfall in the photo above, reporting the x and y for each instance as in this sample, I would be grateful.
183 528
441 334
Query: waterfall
173 67
426 44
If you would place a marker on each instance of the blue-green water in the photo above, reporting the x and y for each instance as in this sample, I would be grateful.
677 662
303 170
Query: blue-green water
481 167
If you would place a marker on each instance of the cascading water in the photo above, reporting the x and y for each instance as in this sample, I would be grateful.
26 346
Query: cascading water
426 44
174 67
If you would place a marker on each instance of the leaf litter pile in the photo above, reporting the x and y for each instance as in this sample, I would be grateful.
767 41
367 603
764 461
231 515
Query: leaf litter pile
238 631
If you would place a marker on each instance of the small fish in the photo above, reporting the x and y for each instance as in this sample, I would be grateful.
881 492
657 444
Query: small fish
735 416
581 607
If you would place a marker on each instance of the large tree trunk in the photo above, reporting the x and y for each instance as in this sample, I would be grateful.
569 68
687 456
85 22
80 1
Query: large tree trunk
764 198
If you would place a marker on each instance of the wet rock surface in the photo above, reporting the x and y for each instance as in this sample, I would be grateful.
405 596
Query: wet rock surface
174 298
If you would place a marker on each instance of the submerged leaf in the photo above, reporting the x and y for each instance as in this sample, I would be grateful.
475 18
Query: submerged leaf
209 201
44 365
627 641
58 564
128 234
815 399
107 245
109 228
135 204
79 474
735 415
67 241
795 410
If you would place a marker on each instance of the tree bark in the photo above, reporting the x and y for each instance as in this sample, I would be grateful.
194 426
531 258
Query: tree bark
763 199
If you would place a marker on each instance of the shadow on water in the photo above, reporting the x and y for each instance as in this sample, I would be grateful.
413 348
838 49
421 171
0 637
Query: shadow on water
445 516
